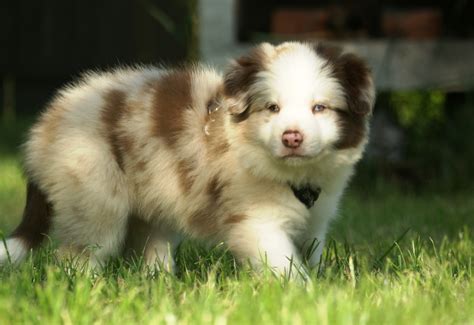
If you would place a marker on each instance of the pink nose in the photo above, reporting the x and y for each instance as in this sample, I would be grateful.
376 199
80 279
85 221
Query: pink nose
292 139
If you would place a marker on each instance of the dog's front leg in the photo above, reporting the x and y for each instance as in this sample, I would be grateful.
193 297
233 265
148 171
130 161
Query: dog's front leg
265 243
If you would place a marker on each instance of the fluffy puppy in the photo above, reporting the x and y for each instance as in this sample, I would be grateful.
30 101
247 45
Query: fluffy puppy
239 158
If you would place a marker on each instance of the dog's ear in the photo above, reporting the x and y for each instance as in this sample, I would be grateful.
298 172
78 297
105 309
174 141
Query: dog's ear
242 74
355 77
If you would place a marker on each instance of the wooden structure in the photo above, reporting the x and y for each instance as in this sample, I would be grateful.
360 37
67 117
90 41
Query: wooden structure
445 62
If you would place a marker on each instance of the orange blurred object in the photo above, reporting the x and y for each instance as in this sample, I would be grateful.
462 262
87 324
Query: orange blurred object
423 23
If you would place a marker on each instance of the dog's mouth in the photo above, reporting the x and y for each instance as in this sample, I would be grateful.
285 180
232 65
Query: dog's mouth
294 159
296 156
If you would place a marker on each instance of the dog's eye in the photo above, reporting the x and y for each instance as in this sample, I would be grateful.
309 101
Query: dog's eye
274 108
319 108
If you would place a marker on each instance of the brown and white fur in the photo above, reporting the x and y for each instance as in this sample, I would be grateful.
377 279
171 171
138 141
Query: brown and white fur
160 153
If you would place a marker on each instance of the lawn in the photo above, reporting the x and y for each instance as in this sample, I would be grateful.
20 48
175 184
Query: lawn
395 256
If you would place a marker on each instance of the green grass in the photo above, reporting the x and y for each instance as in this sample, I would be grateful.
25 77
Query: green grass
393 257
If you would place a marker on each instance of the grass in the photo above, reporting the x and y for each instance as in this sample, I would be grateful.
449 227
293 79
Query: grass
393 257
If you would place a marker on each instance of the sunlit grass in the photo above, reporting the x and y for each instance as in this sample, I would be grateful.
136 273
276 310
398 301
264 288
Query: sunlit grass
12 191
416 283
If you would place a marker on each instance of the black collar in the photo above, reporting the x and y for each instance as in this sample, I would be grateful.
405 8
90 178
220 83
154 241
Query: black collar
306 194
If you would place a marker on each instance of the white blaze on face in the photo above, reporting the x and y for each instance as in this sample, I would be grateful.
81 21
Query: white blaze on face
296 80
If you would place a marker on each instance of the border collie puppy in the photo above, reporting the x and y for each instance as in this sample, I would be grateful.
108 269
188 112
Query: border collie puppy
257 158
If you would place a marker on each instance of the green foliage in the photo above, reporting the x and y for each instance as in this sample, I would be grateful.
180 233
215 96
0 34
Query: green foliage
12 136
438 131
419 110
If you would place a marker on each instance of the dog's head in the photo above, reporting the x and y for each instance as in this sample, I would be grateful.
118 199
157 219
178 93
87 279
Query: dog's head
296 102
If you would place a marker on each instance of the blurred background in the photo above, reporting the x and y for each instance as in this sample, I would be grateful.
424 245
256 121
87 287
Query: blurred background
421 53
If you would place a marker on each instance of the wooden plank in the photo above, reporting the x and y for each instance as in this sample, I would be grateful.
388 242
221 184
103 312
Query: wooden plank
403 65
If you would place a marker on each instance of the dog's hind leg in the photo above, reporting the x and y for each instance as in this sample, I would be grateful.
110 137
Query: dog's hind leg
95 230
92 208
157 243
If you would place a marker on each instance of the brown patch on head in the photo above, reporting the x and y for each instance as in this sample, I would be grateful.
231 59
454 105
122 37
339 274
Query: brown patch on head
36 220
353 128
172 97
112 113
242 74
186 178
235 218
354 76
241 117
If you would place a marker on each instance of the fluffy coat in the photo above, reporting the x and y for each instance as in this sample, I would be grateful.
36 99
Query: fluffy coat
161 153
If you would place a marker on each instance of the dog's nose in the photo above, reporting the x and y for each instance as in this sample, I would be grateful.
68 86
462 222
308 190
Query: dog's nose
292 139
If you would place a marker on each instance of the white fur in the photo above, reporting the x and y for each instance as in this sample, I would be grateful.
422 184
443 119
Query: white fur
69 156
14 252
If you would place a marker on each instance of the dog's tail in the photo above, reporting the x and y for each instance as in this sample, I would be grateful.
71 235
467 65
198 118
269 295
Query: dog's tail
30 233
